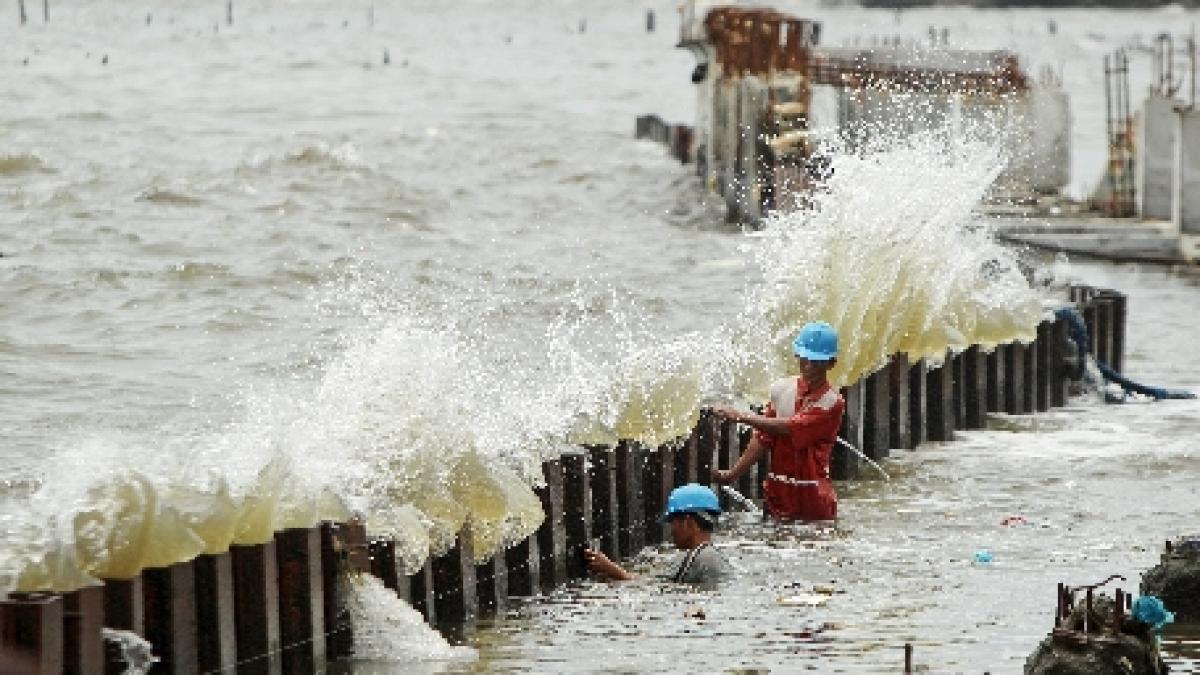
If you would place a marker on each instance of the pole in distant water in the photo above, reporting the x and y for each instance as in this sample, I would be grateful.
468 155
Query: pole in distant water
371 16
649 21
46 11
229 12
21 10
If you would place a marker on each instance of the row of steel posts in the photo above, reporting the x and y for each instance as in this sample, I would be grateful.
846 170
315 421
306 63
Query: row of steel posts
281 606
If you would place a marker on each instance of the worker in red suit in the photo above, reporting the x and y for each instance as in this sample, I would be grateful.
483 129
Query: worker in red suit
799 429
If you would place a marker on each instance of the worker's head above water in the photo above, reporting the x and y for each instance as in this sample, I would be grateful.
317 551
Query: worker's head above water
692 510
816 349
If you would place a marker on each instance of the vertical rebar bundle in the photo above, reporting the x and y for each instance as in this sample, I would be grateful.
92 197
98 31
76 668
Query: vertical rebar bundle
1121 199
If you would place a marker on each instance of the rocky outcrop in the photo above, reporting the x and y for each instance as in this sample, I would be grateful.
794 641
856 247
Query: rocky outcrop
1176 579
1097 645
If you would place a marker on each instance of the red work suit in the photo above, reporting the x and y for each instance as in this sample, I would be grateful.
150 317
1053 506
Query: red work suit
802 454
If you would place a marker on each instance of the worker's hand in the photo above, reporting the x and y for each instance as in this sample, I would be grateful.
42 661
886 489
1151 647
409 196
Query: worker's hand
728 412
601 566
722 476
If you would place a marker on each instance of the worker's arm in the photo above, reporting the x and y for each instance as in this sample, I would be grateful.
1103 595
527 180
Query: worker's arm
604 568
775 426
754 452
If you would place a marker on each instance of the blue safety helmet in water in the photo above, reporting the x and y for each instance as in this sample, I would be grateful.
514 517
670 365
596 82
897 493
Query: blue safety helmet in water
1150 610
817 341
692 498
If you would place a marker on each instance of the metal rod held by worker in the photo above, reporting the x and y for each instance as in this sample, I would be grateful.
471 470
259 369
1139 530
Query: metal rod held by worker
740 498
868 460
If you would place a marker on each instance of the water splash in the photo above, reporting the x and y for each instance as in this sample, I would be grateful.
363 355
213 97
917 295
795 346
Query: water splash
387 629
435 413
892 257
136 652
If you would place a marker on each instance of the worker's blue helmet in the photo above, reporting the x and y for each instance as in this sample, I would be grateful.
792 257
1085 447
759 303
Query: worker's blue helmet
817 341
692 498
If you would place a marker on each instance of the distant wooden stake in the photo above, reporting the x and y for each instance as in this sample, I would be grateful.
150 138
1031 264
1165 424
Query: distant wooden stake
229 12
21 10
46 11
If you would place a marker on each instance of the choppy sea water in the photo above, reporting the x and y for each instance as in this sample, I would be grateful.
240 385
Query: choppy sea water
258 261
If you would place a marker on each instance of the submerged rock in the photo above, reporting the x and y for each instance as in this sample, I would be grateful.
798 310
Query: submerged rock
1176 579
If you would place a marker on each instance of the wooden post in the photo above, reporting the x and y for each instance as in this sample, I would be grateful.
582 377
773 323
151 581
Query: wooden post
653 480
424 598
335 566
750 484
123 610
958 373
491 584
523 565
685 460
763 467
31 634
229 12
876 409
665 458
1029 379
918 404
385 567
630 489
1014 378
552 535
170 605
1119 303
256 607
577 516
83 645
216 638
974 388
21 10
1058 369
899 410
844 464
1090 321
301 605
727 452
997 361
454 581
707 430
602 478
1103 328
940 391
1045 339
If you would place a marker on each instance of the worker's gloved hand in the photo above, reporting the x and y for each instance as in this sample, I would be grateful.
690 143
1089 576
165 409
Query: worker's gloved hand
722 476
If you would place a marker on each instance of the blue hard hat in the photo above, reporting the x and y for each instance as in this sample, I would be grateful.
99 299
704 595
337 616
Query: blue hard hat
691 498
817 341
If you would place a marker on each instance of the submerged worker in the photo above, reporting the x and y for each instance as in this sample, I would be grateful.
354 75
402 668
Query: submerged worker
692 512
799 429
